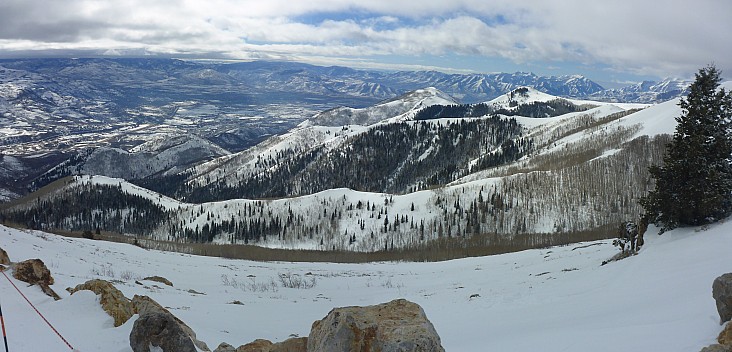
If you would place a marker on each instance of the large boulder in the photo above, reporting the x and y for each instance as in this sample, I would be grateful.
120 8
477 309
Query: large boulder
159 331
112 300
725 337
717 348
146 305
4 259
258 345
225 347
35 272
295 344
399 325
722 293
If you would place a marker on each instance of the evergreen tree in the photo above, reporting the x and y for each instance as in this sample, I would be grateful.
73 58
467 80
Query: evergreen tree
694 185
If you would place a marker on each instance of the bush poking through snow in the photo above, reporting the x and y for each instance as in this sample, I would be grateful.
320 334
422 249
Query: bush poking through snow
129 276
251 286
629 238
290 280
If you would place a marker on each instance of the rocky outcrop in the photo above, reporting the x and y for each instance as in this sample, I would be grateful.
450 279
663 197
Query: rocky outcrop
725 337
112 300
159 279
296 344
144 305
35 272
717 348
399 325
259 345
225 347
722 293
162 331
4 259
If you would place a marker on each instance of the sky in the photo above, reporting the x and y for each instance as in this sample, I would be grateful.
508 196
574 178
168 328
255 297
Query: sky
618 41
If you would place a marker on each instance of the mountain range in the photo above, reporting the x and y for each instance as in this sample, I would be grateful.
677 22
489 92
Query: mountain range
57 112
403 174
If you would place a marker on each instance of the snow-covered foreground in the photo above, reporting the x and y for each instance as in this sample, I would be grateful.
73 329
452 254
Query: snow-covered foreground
556 299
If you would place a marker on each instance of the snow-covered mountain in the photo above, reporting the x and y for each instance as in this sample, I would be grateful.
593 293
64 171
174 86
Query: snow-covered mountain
471 88
166 152
521 95
398 107
645 92
543 179
61 107
326 131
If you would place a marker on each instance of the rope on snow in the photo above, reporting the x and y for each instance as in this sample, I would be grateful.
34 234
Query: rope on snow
2 322
37 311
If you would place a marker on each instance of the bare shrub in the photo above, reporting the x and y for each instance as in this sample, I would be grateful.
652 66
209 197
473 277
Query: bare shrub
290 280
251 286
129 275
103 270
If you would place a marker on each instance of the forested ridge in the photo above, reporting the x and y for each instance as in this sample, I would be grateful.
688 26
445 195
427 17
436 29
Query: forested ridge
391 158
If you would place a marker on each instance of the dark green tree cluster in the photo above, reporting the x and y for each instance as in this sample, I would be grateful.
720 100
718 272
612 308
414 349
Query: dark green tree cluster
694 184
85 208
392 158
550 108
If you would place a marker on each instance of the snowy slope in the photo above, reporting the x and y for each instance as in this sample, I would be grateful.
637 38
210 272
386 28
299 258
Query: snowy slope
554 299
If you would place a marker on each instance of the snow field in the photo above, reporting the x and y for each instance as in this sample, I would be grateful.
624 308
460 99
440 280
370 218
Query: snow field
554 299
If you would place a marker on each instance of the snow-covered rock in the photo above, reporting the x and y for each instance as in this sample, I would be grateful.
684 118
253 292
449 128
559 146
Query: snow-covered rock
112 300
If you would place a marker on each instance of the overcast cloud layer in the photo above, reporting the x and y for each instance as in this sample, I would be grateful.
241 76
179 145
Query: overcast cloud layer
644 38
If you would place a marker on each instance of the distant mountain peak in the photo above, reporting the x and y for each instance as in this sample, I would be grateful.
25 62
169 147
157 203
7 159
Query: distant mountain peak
645 91
385 110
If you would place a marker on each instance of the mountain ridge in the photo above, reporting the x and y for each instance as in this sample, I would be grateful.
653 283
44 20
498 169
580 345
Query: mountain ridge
519 189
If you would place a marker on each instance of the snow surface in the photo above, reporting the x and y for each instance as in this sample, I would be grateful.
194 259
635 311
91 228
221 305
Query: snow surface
555 299
655 120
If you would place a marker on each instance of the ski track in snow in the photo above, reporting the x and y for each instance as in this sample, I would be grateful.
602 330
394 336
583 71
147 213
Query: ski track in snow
554 299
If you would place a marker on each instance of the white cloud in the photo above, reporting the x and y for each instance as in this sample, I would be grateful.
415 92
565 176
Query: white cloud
668 38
